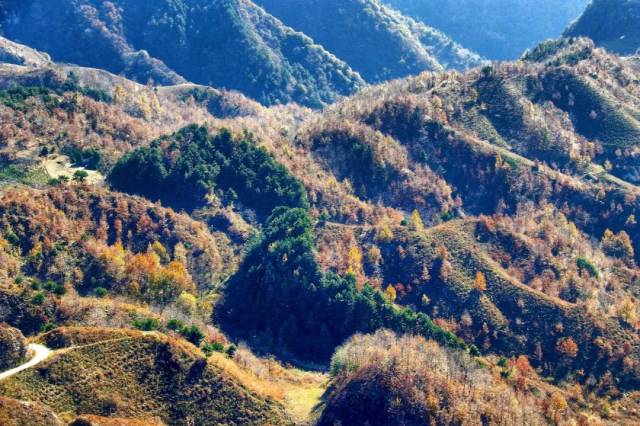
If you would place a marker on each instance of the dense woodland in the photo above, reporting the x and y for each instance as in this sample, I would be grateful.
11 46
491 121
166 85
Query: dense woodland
454 247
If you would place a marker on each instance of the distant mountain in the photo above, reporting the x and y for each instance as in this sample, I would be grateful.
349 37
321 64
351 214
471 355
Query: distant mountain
612 24
496 29
373 39
196 40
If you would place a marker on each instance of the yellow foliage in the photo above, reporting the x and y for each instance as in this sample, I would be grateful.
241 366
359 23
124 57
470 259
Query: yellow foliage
385 233
161 251
415 221
374 256
354 261
119 95
391 294
480 283
627 312
187 303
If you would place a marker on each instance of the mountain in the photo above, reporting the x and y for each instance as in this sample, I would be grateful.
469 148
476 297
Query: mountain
376 41
450 247
196 40
496 29
612 24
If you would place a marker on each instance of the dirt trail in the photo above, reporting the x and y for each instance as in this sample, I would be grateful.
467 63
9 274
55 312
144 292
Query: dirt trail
40 354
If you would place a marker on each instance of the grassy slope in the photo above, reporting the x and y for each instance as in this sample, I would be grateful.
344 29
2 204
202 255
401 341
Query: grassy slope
142 376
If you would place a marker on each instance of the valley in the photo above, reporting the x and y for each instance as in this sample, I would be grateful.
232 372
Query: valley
316 213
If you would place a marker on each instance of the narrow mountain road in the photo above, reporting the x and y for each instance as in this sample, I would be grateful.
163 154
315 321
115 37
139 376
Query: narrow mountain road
40 354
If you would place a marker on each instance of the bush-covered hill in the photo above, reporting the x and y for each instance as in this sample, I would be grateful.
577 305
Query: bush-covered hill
377 42
496 29
143 376
201 41
492 210
383 379
495 138
612 24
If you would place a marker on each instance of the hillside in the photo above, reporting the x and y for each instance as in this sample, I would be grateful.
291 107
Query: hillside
453 247
131 38
612 24
377 42
496 29
143 376
491 141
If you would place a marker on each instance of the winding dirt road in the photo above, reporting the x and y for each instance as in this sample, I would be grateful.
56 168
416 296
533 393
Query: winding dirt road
40 354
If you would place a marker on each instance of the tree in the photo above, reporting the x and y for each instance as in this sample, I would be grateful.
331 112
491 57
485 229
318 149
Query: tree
193 334
567 346
120 94
354 261
617 245
415 221
391 294
385 233
374 256
80 176
480 282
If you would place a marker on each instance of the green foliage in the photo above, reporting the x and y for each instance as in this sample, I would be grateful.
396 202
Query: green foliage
89 158
23 174
374 40
141 172
194 163
210 348
48 327
544 50
16 97
175 325
54 287
100 292
231 350
198 40
193 334
146 324
80 176
280 290
38 298
585 265
612 24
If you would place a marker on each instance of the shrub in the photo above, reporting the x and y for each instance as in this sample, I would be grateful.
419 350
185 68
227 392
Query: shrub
210 348
585 265
146 324
38 298
175 325
101 292
193 334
